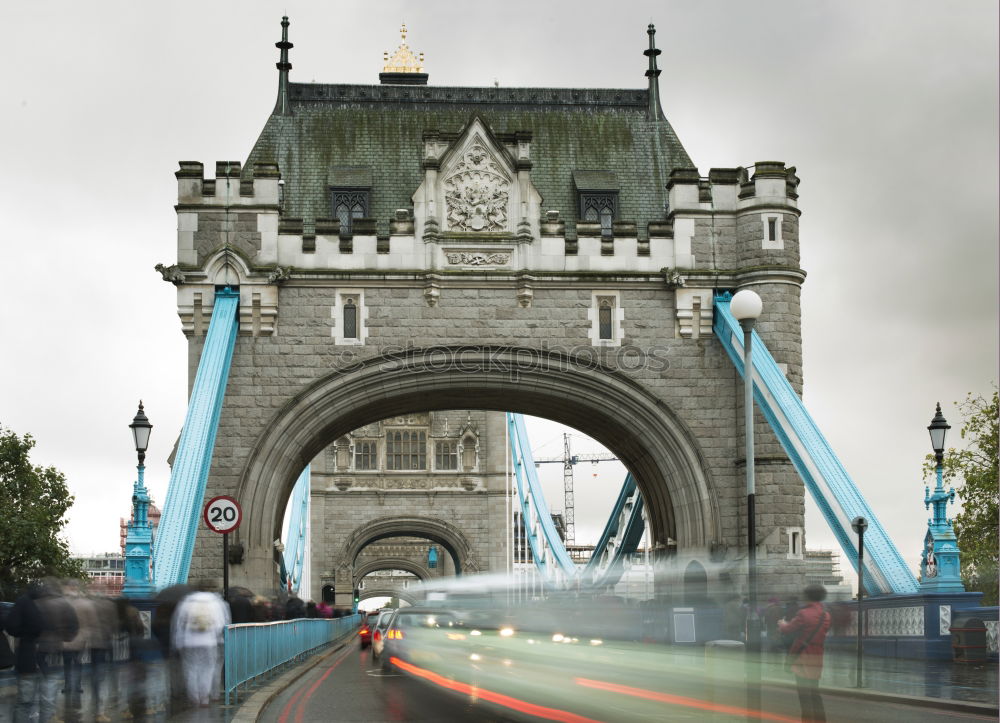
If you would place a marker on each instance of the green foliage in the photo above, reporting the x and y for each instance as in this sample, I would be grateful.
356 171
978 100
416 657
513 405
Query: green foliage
973 470
33 504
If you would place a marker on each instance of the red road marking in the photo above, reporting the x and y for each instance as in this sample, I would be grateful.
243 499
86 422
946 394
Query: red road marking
305 699
482 694
682 700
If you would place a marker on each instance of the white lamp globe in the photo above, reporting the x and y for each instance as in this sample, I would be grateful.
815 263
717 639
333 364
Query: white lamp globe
746 304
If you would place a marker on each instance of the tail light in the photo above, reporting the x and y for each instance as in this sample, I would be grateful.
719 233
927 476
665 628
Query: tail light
363 631
394 635
377 635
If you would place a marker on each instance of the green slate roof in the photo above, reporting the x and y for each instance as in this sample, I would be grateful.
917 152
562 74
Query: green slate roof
377 131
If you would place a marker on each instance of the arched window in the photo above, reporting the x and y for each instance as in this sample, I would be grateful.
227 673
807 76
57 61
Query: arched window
695 583
350 318
599 206
349 204
605 320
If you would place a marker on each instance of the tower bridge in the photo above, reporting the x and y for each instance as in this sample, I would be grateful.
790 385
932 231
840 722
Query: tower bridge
546 251
391 253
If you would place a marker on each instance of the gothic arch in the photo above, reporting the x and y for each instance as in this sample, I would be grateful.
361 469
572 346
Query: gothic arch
391 563
445 534
389 592
616 409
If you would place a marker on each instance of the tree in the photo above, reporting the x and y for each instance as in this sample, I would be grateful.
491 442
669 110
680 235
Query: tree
33 505
973 470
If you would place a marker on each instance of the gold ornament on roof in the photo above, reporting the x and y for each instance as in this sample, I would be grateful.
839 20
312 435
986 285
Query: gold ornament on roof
403 60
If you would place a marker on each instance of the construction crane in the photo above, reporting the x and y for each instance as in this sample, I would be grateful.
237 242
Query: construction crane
567 460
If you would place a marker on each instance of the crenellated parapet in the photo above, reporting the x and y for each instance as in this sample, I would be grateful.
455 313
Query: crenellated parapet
227 235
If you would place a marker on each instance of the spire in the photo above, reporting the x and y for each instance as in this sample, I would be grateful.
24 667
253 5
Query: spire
653 74
283 107
403 68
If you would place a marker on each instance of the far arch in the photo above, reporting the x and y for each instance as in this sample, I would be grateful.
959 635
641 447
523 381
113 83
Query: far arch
389 592
450 537
391 563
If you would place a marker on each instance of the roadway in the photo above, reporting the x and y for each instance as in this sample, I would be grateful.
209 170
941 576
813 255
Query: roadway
349 686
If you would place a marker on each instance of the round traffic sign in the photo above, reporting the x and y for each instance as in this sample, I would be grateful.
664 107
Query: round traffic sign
223 514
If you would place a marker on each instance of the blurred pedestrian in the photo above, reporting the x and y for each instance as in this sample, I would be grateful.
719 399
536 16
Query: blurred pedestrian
323 609
240 606
311 610
74 650
734 618
130 626
805 655
196 633
6 653
294 608
102 654
42 621
772 614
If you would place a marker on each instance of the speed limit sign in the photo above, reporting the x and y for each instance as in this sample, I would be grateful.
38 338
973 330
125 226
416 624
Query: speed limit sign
223 514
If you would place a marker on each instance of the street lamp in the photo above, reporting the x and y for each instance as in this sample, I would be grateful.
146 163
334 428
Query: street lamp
940 568
139 535
859 525
141 429
746 307
938 429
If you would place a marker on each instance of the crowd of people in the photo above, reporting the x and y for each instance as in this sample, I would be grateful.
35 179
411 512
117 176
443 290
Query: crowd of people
66 640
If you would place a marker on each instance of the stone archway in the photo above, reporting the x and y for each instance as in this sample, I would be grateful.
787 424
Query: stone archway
391 563
616 408
445 534
389 592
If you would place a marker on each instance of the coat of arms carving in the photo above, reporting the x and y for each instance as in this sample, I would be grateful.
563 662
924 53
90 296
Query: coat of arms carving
477 192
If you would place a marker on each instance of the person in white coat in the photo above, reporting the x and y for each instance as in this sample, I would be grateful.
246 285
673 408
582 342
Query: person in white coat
196 634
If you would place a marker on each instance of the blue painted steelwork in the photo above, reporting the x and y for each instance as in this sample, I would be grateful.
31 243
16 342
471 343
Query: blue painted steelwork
547 548
182 509
824 476
255 652
139 543
940 563
621 537
296 543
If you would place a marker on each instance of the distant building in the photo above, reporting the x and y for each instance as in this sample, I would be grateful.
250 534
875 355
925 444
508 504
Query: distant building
106 572
823 566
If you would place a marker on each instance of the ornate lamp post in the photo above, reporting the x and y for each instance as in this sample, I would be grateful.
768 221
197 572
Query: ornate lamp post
940 570
746 307
139 538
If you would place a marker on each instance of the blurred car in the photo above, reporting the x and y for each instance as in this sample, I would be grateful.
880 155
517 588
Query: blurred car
417 635
367 624
379 630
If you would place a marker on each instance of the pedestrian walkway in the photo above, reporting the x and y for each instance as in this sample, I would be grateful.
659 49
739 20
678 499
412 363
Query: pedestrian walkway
942 679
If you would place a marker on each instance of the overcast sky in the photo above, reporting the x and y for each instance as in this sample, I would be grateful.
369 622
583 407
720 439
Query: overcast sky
887 109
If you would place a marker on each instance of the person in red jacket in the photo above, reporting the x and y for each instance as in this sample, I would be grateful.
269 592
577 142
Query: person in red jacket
809 627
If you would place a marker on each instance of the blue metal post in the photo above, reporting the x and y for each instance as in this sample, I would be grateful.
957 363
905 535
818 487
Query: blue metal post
139 543
940 566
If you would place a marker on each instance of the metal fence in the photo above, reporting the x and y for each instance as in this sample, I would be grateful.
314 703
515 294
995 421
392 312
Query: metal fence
255 652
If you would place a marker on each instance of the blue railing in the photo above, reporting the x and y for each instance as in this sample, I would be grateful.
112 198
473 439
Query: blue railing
255 652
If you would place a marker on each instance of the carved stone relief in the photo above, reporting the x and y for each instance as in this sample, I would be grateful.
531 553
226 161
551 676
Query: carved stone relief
477 192
475 258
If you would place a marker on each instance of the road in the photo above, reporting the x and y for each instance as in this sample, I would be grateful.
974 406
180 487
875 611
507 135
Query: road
349 686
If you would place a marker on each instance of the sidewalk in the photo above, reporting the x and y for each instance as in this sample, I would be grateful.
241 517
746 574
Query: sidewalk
940 679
